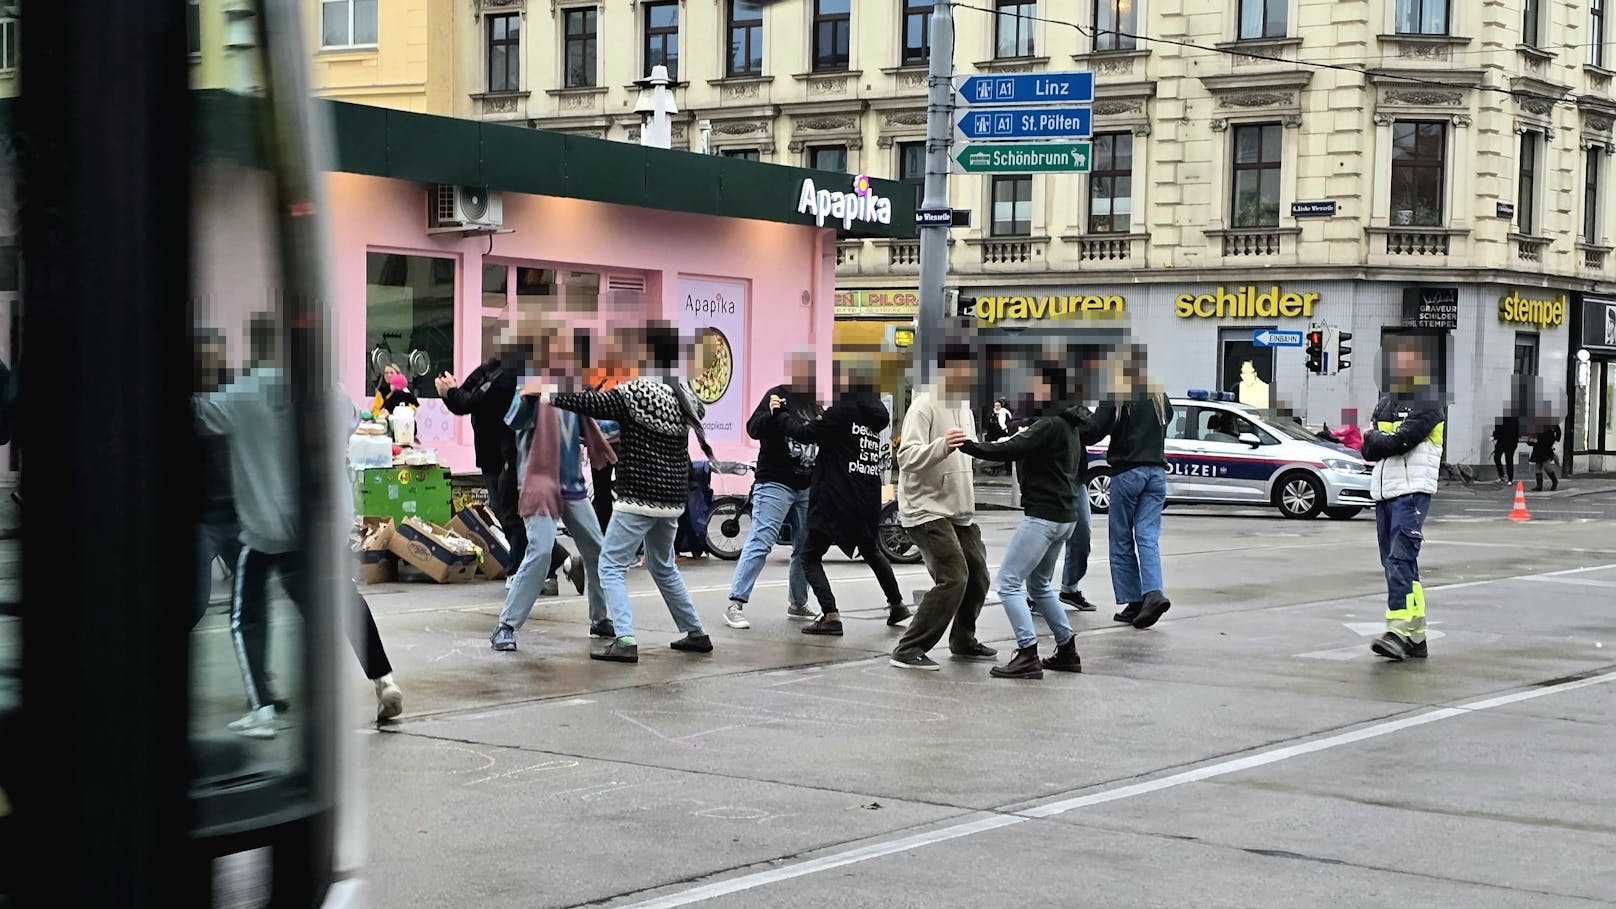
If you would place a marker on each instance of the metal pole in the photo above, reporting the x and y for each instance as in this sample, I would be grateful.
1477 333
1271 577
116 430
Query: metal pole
931 320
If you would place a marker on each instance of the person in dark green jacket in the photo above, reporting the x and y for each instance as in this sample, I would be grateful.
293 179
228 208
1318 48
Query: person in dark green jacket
1047 456
1136 417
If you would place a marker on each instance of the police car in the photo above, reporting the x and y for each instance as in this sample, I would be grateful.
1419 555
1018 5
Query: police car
1225 453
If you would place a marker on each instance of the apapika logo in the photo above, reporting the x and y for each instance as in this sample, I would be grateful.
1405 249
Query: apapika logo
862 204
715 305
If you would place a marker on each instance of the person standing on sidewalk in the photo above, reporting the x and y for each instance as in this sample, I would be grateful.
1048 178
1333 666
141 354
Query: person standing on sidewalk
1545 457
1405 446
1506 439
937 506
785 468
656 414
218 532
1136 418
844 506
1046 455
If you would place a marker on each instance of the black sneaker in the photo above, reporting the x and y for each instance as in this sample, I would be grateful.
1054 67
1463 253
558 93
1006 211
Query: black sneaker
693 642
1065 658
897 614
832 628
574 570
979 652
1418 651
1076 600
920 661
551 589
1391 646
1151 609
1130 613
503 639
603 630
1024 665
617 652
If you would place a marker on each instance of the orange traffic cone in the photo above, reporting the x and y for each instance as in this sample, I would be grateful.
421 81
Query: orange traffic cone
1519 512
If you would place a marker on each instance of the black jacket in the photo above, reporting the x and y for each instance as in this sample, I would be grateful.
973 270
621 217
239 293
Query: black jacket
1049 458
218 501
845 502
1138 434
782 459
1544 445
1507 433
486 395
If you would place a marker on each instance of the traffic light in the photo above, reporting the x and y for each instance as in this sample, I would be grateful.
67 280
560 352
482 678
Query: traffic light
1343 350
1315 351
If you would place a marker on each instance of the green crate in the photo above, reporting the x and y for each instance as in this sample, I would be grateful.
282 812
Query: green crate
403 492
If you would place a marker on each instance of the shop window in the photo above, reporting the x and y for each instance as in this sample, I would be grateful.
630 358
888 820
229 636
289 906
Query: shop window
1596 32
1526 353
496 287
193 32
1012 206
1255 177
1423 17
348 23
581 293
833 32
1592 176
1526 182
1419 171
1116 25
1532 21
745 38
745 154
1012 27
580 39
1263 19
535 290
1111 183
662 37
1244 369
410 316
828 157
912 162
505 52
917 32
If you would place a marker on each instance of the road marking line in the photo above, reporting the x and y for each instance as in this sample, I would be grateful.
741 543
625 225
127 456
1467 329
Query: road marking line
1580 582
1222 768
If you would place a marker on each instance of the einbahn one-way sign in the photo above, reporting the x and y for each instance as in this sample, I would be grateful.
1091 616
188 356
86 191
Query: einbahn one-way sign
1264 337
1025 158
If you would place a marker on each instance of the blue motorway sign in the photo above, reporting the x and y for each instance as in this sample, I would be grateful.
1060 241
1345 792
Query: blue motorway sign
1029 123
1028 88
1264 337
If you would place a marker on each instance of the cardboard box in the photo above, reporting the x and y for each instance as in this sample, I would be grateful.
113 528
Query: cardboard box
479 525
377 564
439 553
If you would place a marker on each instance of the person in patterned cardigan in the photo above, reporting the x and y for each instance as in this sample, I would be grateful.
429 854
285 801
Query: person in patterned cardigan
655 415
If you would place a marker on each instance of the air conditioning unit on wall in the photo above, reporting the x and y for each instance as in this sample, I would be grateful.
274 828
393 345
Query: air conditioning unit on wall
463 209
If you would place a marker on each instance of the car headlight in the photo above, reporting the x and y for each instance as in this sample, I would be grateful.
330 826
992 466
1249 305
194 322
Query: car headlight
1341 465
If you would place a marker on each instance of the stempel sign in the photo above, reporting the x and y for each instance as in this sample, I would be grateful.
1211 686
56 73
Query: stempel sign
858 204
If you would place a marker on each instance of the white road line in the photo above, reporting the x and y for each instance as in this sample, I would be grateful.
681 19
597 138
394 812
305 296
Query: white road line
861 854
1580 582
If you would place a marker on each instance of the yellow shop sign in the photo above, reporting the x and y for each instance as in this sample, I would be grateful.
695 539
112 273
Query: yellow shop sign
1246 303
1542 313
990 310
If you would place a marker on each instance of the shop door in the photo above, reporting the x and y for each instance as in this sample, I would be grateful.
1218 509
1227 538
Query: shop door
1245 369
1594 418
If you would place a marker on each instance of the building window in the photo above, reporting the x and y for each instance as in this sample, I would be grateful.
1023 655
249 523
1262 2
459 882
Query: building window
347 23
1013 28
1012 206
745 154
1116 23
745 38
1263 18
1526 184
1596 32
1256 175
410 309
833 30
1423 17
1111 183
1525 353
193 32
579 42
1593 172
662 38
828 157
912 162
917 31
1531 21
8 41
1419 172
505 52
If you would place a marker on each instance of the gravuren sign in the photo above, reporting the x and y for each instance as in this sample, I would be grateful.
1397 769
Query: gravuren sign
992 310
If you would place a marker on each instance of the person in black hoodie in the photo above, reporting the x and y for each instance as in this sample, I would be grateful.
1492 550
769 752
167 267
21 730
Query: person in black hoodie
1544 458
1506 439
844 504
1047 457
486 397
785 468
218 531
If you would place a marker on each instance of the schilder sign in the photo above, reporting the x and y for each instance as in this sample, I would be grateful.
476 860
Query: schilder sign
850 207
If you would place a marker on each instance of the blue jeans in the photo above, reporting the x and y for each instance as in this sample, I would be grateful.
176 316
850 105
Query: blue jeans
623 540
1027 573
1137 498
212 540
772 505
528 581
1400 527
1077 547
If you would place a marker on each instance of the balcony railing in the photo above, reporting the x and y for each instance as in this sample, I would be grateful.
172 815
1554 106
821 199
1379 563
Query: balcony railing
1528 248
1414 241
1593 257
1106 248
1007 252
1254 242
903 255
847 256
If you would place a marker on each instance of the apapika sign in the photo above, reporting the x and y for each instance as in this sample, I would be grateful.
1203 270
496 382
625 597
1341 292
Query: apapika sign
860 203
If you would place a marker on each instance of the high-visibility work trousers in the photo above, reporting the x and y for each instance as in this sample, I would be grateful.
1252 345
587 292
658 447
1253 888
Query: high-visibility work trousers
1400 526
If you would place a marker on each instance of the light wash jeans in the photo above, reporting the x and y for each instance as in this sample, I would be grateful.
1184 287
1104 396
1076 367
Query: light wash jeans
623 539
1028 572
1078 546
773 504
1137 498
528 581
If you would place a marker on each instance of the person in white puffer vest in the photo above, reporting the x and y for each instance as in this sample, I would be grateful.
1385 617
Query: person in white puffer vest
1405 446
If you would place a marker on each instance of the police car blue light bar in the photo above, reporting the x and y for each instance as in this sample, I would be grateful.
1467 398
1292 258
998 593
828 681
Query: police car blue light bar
1201 394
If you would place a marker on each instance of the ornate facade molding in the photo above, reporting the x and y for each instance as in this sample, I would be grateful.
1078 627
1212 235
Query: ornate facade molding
740 127
827 123
1117 108
1422 97
904 118
1249 100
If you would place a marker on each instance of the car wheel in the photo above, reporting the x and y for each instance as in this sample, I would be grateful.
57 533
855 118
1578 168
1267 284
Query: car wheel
728 525
1099 490
1343 512
1299 495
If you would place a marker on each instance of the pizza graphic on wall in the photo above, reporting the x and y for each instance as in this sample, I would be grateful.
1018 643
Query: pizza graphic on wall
717 366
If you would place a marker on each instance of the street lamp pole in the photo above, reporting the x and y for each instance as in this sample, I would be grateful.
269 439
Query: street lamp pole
931 320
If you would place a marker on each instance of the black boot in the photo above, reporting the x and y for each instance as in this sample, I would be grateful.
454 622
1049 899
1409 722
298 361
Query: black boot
1130 613
1065 658
1024 665
1151 609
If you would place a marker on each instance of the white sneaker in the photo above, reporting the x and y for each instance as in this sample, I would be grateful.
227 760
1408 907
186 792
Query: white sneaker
735 615
389 699
257 724
509 580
